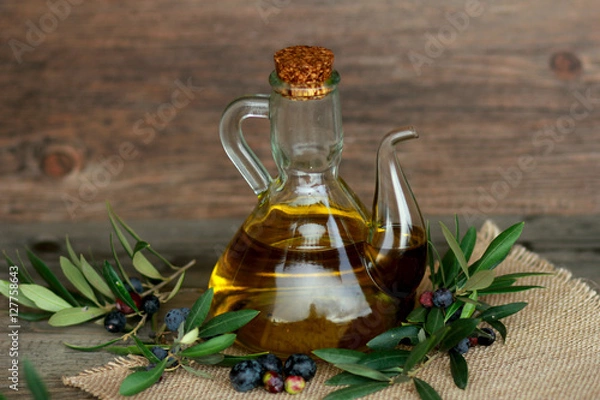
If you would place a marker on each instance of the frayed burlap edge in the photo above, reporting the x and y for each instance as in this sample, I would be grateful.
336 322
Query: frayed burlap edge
552 350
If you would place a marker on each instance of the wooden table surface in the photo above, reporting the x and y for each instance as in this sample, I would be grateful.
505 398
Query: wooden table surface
569 242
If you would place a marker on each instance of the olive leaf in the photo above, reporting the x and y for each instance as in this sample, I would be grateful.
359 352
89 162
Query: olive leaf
417 315
189 337
227 322
508 289
177 286
75 276
20 298
44 298
500 327
459 369
94 278
356 391
196 372
51 279
363 370
339 356
23 274
91 348
420 351
141 380
435 320
211 346
458 330
145 351
498 249
455 247
346 378
498 312
470 307
117 286
479 280
211 359
392 337
34 316
122 239
124 274
199 310
71 253
145 267
425 391
384 360
75 315
36 385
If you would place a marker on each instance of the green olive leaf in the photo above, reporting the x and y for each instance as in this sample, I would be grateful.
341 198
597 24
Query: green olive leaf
479 280
339 356
91 348
498 312
75 276
498 249
117 286
199 310
420 351
363 370
44 298
177 286
145 267
142 380
34 316
75 315
435 320
459 329
459 369
500 327
425 391
196 372
356 391
72 255
145 351
227 322
211 359
189 337
95 279
470 307
211 346
51 279
346 378
36 385
5 290
23 274
118 232
391 338
508 289
385 359
455 247
140 245
417 315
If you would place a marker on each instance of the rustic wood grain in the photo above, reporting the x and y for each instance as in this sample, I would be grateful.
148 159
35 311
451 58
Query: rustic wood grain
493 102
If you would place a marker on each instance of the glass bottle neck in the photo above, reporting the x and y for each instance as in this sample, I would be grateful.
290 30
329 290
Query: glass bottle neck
306 130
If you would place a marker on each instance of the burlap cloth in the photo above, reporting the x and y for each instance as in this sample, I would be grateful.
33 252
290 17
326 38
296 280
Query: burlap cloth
552 351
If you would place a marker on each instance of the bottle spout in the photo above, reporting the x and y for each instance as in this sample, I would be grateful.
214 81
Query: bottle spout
394 204
397 239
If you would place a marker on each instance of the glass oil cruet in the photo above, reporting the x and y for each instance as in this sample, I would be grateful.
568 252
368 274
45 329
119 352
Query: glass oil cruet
322 270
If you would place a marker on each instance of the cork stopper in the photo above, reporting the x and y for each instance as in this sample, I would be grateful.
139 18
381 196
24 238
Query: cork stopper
305 69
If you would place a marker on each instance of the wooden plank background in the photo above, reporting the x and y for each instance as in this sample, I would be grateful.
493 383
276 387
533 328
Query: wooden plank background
120 101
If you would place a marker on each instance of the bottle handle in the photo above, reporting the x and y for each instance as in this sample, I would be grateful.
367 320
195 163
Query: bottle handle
236 147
